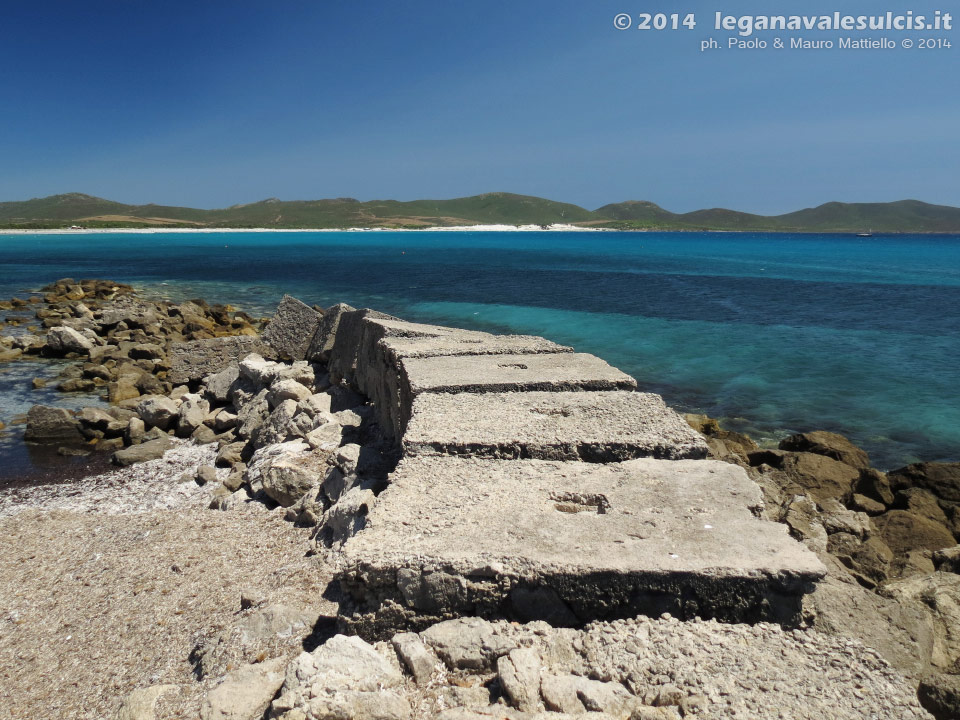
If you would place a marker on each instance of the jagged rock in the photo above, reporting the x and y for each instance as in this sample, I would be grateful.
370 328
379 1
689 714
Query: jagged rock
948 559
911 563
416 656
292 328
901 631
519 673
231 454
140 704
903 531
868 560
252 414
224 420
867 505
317 404
285 389
325 437
940 696
829 444
218 386
206 474
940 592
724 442
191 414
158 411
805 522
265 629
837 519
146 351
942 479
63 340
245 693
135 431
921 502
280 426
149 450
348 516
815 475
467 643
343 678
52 425
229 501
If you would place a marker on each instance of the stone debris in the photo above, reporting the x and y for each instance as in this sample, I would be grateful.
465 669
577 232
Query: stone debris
652 669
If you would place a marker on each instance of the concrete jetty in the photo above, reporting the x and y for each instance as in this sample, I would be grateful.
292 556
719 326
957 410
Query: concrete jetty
537 483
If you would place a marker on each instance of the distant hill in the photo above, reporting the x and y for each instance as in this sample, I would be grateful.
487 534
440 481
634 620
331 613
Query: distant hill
490 208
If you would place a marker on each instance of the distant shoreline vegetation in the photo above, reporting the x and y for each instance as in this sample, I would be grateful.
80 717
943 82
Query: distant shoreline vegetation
93 213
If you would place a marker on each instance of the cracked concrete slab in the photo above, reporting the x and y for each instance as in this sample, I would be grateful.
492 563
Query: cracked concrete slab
568 543
551 372
381 343
591 426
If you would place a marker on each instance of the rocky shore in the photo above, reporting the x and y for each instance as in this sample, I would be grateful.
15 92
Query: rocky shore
497 526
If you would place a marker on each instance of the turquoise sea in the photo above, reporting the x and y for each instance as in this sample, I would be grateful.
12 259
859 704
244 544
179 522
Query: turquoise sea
774 333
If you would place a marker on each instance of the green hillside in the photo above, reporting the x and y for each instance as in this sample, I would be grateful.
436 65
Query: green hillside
490 208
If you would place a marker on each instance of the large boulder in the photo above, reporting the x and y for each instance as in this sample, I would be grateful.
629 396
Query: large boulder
343 678
52 425
903 531
151 450
286 471
829 444
245 693
292 328
158 411
817 476
63 340
940 593
942 479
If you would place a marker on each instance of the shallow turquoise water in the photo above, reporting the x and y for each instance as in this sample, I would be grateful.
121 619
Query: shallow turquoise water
776 333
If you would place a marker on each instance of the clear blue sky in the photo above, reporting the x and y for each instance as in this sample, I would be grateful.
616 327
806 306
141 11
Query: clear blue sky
217 102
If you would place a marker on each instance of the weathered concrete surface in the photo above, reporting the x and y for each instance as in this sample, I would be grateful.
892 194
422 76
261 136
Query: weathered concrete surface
591 426
292 328
551 372
322 342
384 344
569 543
346 343
192 361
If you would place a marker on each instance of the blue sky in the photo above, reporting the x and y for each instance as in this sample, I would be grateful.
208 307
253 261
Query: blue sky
213 103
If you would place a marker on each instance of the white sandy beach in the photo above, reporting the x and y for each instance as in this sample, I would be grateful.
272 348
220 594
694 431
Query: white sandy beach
163 230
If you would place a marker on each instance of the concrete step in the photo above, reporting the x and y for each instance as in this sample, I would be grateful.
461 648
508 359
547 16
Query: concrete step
591 426
569 542
549 372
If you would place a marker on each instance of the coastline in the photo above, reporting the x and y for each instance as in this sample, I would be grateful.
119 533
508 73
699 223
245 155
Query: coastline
435 228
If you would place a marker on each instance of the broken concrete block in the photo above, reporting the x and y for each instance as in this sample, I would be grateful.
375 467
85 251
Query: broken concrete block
569 543
292 328
590 426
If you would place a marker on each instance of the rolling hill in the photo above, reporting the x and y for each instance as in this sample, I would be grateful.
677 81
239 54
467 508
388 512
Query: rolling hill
490 208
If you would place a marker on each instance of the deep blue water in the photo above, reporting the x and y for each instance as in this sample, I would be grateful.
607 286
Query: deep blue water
776 333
